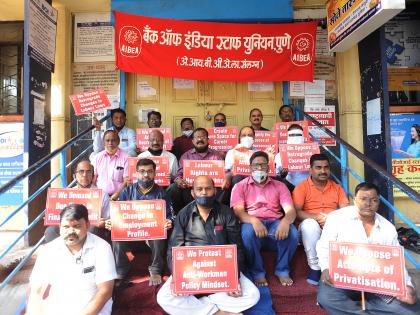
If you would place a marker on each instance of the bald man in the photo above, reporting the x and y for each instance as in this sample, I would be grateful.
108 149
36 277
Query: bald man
196 225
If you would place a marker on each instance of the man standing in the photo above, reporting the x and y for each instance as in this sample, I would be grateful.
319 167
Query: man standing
314 199
74 274
286 113
156 140
265 208
154 119
360 224
127 135
111 166
144 189
207 222
183 143
83 175
219 120
256 118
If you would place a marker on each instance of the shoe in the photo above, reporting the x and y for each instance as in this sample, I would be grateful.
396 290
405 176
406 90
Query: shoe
313 277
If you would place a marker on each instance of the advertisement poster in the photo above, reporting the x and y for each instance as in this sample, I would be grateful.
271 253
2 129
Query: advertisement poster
138 220
162 169
325 115
223 138
266 139
59 198
405 143
143 138
214 169
365 267
11 161
295 157
241 163
89 102
204 269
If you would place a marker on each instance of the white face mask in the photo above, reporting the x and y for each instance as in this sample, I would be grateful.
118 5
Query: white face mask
259 176
295 136
247 142
187 133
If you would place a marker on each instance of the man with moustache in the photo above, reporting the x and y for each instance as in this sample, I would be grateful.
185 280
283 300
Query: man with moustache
360 224
286 113
74 274
154 119
256 118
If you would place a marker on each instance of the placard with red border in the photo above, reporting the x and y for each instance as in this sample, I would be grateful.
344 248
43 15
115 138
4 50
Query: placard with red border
282 127
266 139
295 157
367 267
241 163
143 138
138 220
213 168
90 101
223 138
59 198
162 169
204 269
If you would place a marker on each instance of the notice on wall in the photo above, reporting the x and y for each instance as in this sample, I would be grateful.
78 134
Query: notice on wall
143 138
59 198
162 169
325 115
366 267
42 33
183 84
223 138
295 157
260 86
212 168
205 269
297 89
138 220
373 117
93 37
315 88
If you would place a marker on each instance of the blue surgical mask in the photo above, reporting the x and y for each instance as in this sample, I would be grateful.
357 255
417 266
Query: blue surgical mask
144 184
219 124
205 201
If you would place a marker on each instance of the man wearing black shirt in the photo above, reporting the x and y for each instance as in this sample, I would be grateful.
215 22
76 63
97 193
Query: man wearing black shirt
207 222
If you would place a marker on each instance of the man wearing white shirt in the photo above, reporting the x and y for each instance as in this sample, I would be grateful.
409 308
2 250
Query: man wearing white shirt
74 274
156 140
127 135
360 224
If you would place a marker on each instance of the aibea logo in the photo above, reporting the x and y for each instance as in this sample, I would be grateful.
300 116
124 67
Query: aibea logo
302 50
130 41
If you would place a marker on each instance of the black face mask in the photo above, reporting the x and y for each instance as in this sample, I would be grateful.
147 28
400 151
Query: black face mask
155 152
205 201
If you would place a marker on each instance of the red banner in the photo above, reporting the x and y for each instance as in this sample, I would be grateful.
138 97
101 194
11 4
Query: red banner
90 101
295 157
215 51
266 139
282 127
365 267
223 138
325 115
138 220
143 138
241 163
162 169
59 198
204 269
214 169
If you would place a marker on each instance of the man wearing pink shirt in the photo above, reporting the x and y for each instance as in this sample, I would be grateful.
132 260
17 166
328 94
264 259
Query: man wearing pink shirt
110 166
265 208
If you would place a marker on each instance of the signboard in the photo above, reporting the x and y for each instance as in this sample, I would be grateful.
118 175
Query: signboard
325 115
223 138
295 157
11 162
266 139
90 101
42 33
143 138
162 169
214 169
215 51
138 220
365 267
241 163
204 269
349 21
282 127
59 198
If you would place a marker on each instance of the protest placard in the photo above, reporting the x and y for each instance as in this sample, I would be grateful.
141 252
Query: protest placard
367 267
204 269
295 157
59 198
214 169
266 139
241 163
282 127
138 220
90 101
143 138
162 169
223 138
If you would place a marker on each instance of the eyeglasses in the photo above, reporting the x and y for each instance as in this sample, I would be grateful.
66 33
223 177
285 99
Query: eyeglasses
263 166
87 172
144 172
200 137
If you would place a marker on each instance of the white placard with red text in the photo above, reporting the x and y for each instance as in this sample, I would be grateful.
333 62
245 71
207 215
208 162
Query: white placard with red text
325 115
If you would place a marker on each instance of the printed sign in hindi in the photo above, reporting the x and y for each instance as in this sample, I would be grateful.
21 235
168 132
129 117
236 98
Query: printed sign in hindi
241 165
214 169
143 138
138 220
204 269
266 139
366 267
223 138
325 115
295 157
162 169
59 198
90 101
